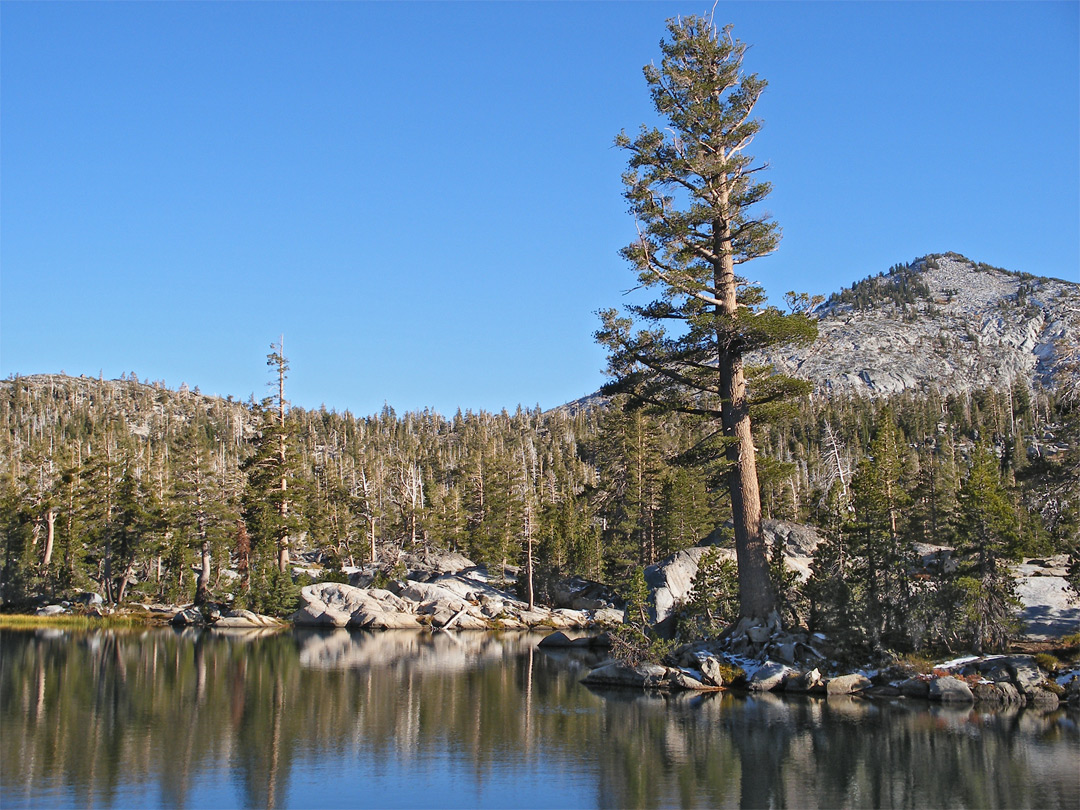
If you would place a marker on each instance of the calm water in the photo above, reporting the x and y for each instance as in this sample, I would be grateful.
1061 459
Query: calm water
159 718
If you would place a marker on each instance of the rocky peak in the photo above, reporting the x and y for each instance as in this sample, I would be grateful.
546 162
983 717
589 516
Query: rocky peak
942 322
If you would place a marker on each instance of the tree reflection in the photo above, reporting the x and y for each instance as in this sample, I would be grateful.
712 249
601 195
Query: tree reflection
190 718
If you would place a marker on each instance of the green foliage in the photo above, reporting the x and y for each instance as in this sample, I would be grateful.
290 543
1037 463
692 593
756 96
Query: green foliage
380 580
333 575
273 592
988 540
902 288
633 642
713 602
832 592
791 603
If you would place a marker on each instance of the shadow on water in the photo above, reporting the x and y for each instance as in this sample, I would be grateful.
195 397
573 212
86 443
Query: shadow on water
405 718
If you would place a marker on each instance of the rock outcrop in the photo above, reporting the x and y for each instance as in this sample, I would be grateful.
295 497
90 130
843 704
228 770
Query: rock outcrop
671 580
450 601
212 616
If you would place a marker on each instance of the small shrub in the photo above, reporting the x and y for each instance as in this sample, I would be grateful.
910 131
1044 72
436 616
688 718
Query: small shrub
1048 662
915 663
304 579
334 575
731 673
380 580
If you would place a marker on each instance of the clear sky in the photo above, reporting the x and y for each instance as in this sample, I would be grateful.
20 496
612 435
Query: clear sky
424 197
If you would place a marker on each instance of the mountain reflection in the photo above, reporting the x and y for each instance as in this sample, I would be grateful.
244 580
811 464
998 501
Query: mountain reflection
404 718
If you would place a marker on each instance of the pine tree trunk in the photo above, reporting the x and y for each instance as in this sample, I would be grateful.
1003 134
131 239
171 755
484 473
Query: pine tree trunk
50 536
757 598
529 557
283 542
202 587
202 584
124 582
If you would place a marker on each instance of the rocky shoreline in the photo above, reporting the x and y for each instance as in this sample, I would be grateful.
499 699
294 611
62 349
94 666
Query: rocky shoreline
1001 680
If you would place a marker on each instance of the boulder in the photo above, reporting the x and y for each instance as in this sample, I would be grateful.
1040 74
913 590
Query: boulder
556 639
671 579
677 679
467 621
360 577
998 674
385 620
388 601
88 598
811 679
1043 699
429 595
615 673
1025 672
188 617
579 593
798 540
948 689
786 652
50 610
607 616
437 562
319 614
770 676
712 672
1048 610
244 618
914 688
466 589
847 684
566 617
533 617
340 597
997 693
1010 694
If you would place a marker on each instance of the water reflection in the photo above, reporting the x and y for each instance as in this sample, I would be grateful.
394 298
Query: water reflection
405 718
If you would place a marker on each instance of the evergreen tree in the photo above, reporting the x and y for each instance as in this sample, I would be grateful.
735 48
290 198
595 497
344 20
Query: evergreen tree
884 562
134 519
267 504
685 515
988 541
693 195
200 514
713 601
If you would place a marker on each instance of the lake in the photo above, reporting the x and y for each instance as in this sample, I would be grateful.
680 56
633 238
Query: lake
163 718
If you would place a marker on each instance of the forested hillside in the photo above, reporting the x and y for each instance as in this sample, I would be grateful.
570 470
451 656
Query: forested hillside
121 486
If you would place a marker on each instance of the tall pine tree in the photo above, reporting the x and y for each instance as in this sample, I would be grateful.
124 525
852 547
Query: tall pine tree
694 195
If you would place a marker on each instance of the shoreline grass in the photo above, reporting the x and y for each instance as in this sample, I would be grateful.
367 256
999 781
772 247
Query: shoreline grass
68 621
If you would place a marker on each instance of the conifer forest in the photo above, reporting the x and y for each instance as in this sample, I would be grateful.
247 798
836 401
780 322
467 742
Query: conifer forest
147 494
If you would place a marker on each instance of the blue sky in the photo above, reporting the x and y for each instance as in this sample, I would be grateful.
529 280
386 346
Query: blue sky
424 197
